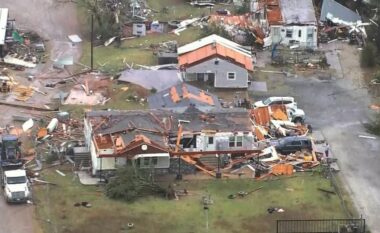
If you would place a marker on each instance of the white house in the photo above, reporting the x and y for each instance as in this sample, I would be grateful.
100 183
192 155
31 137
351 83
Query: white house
298 26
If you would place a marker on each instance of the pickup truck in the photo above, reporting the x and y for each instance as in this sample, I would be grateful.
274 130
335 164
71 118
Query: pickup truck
16 186
296 115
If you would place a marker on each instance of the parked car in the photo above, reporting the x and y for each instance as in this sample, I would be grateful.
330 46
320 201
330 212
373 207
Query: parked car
287 101
292 144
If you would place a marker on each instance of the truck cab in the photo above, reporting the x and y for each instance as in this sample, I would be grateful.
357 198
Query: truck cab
16 186
296 115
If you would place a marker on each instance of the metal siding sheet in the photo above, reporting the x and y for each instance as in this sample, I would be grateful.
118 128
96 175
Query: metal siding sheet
3 24
339 11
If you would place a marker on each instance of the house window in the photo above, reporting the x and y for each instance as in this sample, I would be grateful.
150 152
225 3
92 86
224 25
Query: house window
231 75
200 77
146 161
310 33
289 33
231 141
299 33
239 141
154 161
210 140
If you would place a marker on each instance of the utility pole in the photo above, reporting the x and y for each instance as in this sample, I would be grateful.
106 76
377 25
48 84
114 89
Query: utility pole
92 42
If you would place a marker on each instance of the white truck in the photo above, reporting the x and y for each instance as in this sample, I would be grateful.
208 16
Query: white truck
13 177
16 186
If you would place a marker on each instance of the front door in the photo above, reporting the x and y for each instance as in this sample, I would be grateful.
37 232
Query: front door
211 79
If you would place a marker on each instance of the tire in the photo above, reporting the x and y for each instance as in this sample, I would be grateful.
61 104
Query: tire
298 120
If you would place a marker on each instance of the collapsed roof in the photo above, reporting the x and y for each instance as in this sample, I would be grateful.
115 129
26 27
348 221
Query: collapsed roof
162 122
181 96
298 12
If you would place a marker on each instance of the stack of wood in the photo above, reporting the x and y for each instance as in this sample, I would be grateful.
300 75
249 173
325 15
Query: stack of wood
23 93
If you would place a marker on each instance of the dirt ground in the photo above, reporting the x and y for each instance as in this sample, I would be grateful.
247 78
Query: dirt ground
54 22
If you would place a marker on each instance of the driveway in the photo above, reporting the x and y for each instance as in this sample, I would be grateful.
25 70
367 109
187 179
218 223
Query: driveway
54 21
338 107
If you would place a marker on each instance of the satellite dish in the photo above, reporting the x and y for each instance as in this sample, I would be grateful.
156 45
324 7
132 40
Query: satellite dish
144 147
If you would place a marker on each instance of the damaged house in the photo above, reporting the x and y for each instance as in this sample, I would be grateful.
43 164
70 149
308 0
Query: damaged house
115 137
291 22
217 61
147 139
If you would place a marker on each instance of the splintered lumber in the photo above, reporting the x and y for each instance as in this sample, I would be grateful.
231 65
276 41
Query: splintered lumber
279 115
29 106
282 169
23 93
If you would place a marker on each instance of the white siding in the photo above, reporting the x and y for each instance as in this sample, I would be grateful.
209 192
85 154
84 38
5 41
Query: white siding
299 33
221 141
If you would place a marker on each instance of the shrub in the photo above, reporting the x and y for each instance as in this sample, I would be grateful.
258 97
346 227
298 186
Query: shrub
130 184
368 55
373 127
376 77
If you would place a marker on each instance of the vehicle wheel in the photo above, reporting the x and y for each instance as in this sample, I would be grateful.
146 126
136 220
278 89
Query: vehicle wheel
298 120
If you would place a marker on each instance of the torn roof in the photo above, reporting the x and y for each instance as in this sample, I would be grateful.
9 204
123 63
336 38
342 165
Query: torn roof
274 15
214 46
129 124
219 120
331 8
156 123
3 24
298 12
240 21
243 21
157 79
179 97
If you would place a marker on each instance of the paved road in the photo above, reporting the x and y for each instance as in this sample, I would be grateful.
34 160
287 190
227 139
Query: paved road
54 22
16 218
337 108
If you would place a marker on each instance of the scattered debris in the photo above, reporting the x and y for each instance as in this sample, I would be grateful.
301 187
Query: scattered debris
60 173
27 125
367 137
326 191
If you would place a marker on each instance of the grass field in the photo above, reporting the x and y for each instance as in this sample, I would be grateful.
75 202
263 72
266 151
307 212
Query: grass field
298 196
180 9
135 51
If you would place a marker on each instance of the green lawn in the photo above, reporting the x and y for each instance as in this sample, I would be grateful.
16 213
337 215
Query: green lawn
135 51
180 9
298 196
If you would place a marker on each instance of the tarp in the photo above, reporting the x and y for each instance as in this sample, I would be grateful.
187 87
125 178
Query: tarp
17 37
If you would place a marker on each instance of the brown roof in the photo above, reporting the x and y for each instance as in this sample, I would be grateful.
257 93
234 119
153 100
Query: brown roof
213 50
274 14
243 21
202 97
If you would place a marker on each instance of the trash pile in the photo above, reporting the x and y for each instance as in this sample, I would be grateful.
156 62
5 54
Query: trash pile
284 146
23 50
